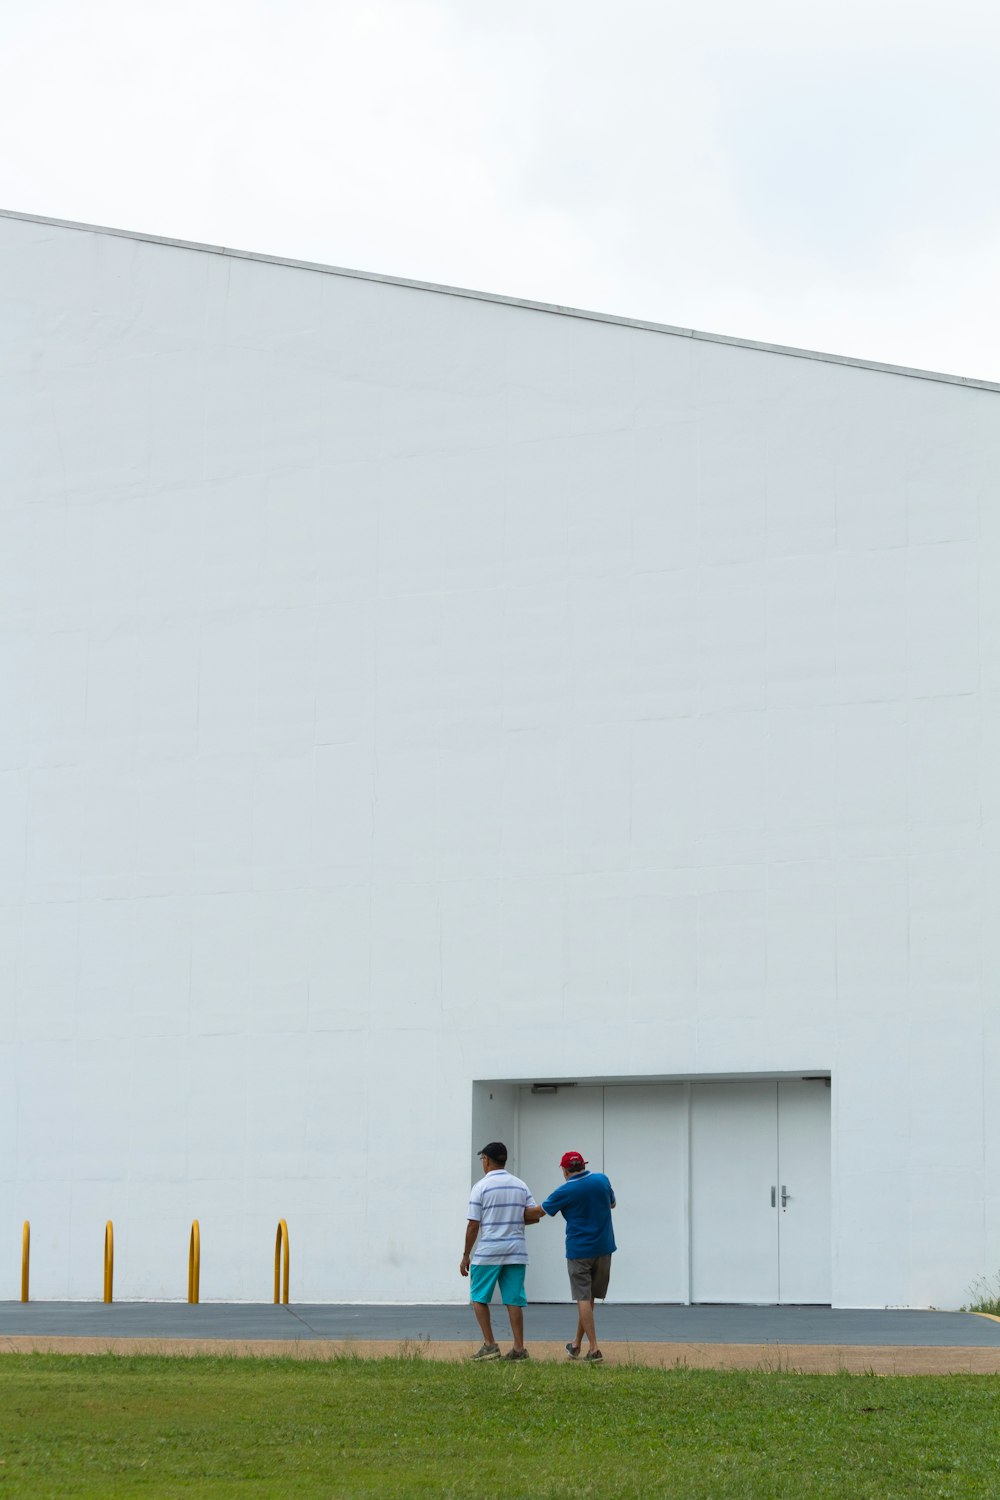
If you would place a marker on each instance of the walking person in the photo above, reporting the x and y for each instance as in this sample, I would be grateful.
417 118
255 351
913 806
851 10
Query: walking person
585 1201
498 1209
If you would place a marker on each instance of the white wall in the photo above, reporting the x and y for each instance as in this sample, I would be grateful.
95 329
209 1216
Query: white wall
402 690
494 1118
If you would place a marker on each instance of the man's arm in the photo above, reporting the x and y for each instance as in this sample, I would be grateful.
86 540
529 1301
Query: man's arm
471 1233
533 1213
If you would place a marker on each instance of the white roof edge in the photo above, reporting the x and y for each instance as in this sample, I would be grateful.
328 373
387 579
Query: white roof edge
546 307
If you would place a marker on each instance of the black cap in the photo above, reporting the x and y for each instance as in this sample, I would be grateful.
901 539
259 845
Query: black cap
495 1150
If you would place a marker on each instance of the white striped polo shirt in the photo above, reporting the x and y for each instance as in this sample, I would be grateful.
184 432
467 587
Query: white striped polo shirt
497 1203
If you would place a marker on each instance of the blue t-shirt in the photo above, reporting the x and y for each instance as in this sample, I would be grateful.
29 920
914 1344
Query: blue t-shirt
585 1202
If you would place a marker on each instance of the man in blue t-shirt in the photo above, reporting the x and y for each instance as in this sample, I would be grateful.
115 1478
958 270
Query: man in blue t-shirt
585 1201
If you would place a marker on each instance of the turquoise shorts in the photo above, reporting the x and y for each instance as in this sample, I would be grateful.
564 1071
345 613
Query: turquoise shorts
485 1279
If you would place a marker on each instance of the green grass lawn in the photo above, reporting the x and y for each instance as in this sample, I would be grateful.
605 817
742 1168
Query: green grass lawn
207 1428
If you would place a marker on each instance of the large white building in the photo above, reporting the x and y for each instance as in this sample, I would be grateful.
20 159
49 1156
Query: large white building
428 716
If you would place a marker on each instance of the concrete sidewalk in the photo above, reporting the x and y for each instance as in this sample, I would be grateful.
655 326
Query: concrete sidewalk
801 1338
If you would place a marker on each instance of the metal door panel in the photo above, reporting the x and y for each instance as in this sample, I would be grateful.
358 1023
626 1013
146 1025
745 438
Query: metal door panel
734 1227
646 1158
805 1273
548 1125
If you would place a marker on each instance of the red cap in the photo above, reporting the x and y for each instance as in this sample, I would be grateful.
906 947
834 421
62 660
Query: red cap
572 1159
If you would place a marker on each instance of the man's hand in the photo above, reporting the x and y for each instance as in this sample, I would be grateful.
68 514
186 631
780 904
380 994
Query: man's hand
463 1265
533 1215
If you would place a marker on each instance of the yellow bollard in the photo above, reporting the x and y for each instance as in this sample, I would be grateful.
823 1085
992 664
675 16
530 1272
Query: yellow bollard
109 1261
25 1258
194 1262
281 1259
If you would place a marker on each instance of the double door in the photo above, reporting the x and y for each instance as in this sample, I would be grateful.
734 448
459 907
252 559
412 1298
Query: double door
760 1192
723 1188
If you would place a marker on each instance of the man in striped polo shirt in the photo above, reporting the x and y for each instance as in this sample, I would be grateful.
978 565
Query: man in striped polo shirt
496 1219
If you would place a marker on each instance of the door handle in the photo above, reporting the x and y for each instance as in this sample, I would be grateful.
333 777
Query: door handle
785 1195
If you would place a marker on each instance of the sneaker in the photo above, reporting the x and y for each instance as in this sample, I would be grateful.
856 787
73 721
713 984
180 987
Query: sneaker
487 1351
594 1357
573 1350
517 1354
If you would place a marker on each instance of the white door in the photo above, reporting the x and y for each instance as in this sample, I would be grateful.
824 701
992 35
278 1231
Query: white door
803 1184
646 1157
548 1125
734 1221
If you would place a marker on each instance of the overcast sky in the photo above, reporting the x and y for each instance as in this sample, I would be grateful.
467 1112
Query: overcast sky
816 174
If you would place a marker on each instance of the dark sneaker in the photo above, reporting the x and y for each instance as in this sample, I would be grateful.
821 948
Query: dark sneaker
487 1351
517 1354
595 1357
573 1350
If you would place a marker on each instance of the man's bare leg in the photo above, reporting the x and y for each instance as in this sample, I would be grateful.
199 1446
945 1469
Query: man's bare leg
578 1336
516 1315
585 1323
580 1330
482 1312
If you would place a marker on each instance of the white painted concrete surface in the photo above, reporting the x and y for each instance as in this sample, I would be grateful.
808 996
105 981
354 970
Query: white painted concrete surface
402 690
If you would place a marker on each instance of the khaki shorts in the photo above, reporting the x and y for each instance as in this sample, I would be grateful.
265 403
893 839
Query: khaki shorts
588 1279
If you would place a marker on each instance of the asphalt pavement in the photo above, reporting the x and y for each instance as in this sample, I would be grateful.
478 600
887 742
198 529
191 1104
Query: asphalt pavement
622 1323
